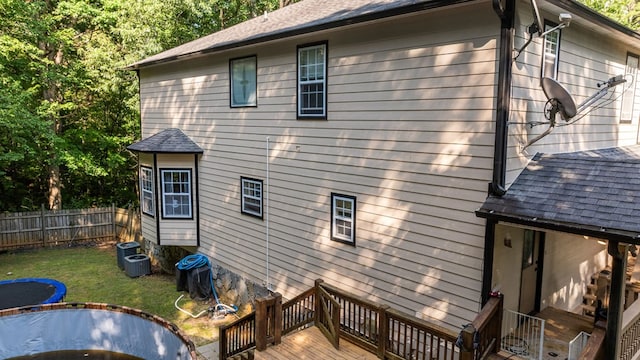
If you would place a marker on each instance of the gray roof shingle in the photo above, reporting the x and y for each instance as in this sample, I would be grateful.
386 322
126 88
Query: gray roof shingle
298 18
597 190
167 141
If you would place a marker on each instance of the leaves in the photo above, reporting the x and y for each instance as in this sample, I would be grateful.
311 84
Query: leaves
626 12
64 100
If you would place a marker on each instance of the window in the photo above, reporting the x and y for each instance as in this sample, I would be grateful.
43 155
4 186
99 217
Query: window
251 197
176 193
343 218
629 96
146 186
312 81
243 81
551 52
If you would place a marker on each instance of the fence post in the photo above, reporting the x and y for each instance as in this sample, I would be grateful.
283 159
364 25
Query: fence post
42 225
383 330
113 222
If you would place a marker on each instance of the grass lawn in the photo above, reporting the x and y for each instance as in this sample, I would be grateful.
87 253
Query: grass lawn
91 274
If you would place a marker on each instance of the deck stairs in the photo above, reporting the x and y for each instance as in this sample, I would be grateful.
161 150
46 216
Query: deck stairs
600 283
247 355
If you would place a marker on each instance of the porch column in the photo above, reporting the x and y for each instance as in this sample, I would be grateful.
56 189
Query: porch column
487 267
618 254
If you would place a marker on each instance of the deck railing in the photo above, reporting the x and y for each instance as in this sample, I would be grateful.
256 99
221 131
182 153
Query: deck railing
523 335
483 336
630 339
299 312
388 333
238 336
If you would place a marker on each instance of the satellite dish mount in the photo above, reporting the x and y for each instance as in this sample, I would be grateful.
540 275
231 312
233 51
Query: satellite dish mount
561 102
537 27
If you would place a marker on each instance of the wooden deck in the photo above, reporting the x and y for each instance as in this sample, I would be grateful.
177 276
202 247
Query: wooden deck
311 344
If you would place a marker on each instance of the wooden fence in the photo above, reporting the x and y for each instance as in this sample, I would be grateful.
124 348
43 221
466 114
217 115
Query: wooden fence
58 227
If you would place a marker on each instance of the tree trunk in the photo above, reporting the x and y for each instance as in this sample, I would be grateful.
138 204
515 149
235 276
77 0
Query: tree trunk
52 95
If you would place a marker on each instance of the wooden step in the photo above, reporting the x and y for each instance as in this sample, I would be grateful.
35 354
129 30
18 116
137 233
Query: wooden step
590 297
592 287
588 310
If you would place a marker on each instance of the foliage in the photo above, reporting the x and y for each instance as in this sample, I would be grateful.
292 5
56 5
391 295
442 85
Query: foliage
626 12
67 109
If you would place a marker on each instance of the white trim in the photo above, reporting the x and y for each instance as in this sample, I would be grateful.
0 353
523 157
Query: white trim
175 199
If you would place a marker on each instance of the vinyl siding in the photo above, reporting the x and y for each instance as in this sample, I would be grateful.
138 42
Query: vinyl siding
409 133
586 58
148 222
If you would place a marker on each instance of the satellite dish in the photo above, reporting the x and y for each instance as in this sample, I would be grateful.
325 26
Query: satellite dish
537 19
559 99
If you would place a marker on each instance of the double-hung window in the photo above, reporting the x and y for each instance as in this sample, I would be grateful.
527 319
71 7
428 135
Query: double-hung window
176 193
146 187
629 95
312 81
343 218
251 197
551 52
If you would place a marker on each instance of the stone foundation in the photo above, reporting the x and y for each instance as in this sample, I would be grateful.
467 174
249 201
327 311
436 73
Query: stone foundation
230 287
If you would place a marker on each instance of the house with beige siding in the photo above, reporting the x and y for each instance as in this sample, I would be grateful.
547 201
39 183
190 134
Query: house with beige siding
373 144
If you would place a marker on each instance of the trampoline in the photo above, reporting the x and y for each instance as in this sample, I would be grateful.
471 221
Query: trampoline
30 291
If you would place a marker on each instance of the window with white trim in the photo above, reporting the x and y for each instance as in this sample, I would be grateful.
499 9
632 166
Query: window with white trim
312 81
343 218
251 197
176 193
146 190
629 95
243 81
550 55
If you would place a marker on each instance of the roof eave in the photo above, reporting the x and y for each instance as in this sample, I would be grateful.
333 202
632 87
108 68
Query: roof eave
578 229
304 30
594 17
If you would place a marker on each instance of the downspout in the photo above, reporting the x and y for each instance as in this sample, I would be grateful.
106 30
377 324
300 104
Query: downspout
503 101
506 13
268 210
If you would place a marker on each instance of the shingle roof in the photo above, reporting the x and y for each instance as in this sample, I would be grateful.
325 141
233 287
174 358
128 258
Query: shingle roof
596 191
314 15
298 18
167 141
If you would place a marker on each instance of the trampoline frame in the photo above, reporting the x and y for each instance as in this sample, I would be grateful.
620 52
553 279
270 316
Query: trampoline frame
133 341
58 295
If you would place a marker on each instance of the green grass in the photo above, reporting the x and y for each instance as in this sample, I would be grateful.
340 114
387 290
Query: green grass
91 274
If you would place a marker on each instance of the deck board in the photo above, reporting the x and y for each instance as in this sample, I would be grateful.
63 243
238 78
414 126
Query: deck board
311 344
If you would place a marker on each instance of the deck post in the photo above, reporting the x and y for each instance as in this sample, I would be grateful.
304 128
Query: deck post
383 330
318 304
618 254
466 351
222 344
277 318
261 324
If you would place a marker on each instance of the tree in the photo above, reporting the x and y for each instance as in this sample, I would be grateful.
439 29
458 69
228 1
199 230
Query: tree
626 12
67 109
